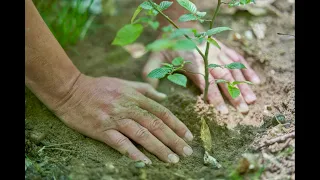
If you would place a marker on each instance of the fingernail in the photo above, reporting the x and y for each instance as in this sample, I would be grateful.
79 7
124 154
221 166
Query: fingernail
251 98
222 109
256 80
173 158
243 108
147 161
188 136
187 151
162 95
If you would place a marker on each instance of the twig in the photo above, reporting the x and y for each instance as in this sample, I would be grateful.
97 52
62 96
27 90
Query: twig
278 139
283 34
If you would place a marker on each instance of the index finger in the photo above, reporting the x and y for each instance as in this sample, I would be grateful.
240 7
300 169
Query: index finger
166 116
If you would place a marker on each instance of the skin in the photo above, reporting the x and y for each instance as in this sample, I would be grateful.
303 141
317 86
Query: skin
216 56
113 111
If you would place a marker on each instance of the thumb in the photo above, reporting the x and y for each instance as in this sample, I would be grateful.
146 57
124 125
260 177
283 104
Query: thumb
153 62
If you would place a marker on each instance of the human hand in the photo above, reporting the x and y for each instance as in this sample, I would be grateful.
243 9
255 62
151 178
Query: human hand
216 56
112 110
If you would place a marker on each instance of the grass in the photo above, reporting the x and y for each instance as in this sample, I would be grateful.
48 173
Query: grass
68 23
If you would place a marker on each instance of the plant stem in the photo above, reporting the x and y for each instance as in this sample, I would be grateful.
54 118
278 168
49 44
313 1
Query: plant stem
205 59
175 25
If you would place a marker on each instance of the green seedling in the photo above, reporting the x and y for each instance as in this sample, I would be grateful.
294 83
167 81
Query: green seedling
175 38
67 22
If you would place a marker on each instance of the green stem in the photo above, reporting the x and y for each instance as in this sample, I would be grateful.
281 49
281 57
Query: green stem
175 25
205 59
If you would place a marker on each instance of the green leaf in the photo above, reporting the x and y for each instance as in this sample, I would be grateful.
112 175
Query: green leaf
165 5
168 65
188 5
179 79
221 81
177 61
214 42
241 82
187 17
200 34
233 91
235 65
181 32
184 44
127 34
234 4
213 65
187 62
159 73
154 24
168 28
201 14
144 19
146 5
217 30
138 10
160 44
200 40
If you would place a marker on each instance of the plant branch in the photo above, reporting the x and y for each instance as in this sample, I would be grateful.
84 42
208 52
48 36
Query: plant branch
174 24
207 53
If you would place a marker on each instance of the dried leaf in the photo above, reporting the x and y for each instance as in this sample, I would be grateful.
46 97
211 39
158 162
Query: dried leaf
205 135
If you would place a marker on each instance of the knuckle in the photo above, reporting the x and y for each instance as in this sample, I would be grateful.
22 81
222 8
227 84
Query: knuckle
124 123
176 142
165 114
161 150
156 124
142 133
120 142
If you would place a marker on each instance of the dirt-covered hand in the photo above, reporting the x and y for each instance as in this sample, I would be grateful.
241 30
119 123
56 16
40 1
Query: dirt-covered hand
216 56
113 111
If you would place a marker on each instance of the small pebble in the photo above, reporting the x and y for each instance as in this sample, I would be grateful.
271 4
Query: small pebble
139 164
248 34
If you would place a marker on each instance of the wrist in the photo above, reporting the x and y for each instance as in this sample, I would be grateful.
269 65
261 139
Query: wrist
56 90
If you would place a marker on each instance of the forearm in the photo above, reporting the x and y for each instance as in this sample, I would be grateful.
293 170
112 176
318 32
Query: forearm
50 74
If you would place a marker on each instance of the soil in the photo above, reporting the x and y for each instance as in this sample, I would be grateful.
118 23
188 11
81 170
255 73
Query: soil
54 151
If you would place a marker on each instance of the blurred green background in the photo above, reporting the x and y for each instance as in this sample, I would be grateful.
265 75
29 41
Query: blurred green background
69 20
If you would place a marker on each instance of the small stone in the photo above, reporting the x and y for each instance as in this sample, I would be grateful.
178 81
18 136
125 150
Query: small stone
272 72
139 164
268 107
209 160
37 137
248 34
236 36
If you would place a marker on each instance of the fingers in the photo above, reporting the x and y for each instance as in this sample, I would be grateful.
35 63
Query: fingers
245 89
160 130
249 73
225 74
142 136
121 143
153 62
147 90
166 116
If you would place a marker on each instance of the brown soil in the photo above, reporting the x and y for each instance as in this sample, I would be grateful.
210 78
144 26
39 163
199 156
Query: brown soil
83 158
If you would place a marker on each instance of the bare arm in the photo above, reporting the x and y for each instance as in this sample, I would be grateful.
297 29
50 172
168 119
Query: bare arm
98 107
50 74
